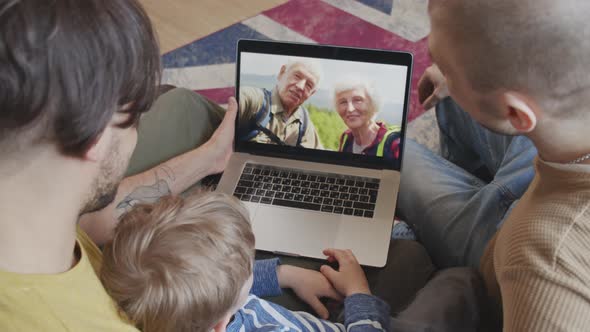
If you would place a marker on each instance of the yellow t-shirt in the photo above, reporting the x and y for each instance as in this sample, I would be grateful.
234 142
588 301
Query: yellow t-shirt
71 301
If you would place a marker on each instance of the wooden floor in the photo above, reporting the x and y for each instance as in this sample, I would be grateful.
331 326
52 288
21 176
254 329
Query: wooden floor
179 22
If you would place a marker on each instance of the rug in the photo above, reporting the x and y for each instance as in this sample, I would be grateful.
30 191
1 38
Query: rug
207 65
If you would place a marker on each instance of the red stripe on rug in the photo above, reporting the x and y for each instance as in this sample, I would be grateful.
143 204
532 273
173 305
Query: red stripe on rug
326 24
218 95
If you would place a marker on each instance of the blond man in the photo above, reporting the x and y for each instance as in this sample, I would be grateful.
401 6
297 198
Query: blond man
518 68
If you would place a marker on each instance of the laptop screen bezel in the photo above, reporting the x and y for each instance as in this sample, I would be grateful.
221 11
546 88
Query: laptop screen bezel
333 53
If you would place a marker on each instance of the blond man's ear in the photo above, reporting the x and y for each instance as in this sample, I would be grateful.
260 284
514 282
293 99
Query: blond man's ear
523 114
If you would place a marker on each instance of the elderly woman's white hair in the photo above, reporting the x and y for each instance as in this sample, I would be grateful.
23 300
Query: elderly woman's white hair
359 82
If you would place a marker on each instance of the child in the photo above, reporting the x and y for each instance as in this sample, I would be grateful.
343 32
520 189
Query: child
188 265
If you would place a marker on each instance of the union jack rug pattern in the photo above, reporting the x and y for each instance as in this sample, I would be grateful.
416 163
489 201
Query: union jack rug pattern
207 65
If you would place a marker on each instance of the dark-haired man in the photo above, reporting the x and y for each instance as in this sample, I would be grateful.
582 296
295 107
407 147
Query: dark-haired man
75 77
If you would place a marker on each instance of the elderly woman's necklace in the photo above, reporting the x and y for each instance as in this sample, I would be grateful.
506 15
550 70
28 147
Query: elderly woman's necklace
374 131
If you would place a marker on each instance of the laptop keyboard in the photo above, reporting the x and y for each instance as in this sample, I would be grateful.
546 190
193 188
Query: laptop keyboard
325 192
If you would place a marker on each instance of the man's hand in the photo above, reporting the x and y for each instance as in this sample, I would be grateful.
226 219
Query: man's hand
432 87
350 278
180 173
220 146
309 286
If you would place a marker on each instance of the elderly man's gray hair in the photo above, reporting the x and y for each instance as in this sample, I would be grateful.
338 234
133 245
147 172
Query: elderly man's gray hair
314 66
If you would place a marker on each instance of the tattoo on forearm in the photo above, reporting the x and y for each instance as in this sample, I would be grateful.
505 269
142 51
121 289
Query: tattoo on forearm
149 193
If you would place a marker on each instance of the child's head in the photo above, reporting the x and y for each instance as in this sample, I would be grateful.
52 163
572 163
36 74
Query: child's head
181 264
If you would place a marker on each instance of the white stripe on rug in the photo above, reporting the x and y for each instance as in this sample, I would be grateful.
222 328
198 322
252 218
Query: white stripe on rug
201 77
409 19
275 30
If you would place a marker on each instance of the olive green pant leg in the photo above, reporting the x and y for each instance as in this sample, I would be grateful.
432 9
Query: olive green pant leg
179 121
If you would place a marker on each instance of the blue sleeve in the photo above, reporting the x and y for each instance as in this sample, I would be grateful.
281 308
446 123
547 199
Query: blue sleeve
366 313
263 316
266 282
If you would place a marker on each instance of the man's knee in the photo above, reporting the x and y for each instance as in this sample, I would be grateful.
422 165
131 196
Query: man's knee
408 269
407 250
191 113
452 300
175 93
459 279
184 97
179 121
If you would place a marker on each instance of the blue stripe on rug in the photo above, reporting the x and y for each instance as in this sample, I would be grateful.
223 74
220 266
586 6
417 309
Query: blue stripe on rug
217 48
385 6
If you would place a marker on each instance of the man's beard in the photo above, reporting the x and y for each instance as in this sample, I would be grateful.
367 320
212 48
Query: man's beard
102 199
104 189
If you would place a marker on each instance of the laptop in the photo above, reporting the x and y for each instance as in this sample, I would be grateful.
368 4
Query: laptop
319 146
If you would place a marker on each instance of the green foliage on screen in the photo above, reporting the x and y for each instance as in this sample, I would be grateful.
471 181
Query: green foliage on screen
328 125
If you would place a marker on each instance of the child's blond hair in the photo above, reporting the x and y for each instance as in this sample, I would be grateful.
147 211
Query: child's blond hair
180 264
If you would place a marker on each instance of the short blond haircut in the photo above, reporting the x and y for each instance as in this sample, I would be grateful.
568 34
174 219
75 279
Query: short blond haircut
180 264
539 47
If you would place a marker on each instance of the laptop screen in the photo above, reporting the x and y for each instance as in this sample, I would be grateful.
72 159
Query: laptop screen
345 110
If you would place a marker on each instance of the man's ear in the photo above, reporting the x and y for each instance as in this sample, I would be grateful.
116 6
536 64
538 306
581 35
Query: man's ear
282 71
222 325
522 113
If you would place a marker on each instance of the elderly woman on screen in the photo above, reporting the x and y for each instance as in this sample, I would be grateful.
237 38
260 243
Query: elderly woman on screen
357 103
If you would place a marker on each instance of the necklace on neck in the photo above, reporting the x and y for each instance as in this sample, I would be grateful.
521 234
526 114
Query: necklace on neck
579 160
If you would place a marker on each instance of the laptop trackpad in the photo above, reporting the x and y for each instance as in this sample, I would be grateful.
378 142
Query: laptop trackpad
293 231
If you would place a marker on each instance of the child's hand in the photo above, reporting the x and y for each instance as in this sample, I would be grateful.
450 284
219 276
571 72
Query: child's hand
309 285
350 278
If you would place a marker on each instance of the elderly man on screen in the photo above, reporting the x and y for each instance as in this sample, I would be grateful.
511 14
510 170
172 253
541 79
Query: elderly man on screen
357 103
277 116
